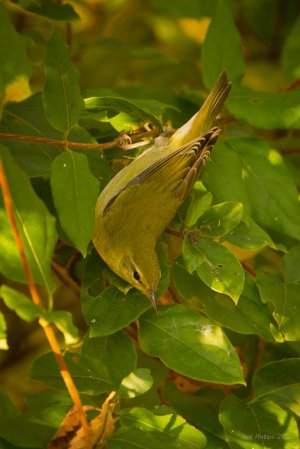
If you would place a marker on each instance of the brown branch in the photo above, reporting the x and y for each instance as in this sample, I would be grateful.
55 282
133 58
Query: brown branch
87 146
290 86
65 277
48 329
290 151
248 269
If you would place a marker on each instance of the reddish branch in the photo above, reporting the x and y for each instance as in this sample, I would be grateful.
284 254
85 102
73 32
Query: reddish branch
48 329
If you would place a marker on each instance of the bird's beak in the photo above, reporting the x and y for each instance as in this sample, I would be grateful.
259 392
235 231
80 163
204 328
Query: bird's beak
152 297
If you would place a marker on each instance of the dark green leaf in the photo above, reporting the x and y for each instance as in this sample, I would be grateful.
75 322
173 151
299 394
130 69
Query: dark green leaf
112 310
155 428
61 95
222 48
220 219
224 179
75 191
116 352
136 383
49 8
89 374
49 406
266 110
200 202
290 52
28 118
3 341
248 316
271 191
20 304
14 63
259 425
285 299
291 263
191 256
250 236
200 409
35 224
190 344
221 270
22 429
275 376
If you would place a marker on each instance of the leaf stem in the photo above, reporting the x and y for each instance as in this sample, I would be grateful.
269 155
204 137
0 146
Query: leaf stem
48 329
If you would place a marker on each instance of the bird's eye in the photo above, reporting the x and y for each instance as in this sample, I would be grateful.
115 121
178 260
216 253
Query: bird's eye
136 275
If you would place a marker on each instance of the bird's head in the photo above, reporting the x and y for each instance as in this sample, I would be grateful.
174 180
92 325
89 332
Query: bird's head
142 271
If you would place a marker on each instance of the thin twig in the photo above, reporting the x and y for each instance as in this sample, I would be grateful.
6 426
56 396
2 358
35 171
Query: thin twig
48 329
65 277
87 146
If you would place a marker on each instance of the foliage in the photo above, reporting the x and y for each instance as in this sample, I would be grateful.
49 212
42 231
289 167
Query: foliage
218 365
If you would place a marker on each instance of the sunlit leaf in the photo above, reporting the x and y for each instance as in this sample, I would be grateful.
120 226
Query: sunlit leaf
190 344
35 224
76 207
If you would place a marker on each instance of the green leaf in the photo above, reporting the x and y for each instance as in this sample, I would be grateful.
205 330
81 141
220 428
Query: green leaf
116 352
159 428
224 179
35 224
117 103
49 8
275 376
89 374
75 191
265 110
220 219
271 191
136 383
200 202
250 236
191 256
20 304
22 430
200 409
291 263
3 341
248 316
259 425
190 344
15 67
221 270
219 53
28 118
285 299
290 52
50 406
112 310
61 96
92 282
64 322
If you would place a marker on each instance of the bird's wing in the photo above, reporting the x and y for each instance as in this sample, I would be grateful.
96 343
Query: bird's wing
176 171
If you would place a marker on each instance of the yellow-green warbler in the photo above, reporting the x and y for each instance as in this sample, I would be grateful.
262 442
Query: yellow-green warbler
135 207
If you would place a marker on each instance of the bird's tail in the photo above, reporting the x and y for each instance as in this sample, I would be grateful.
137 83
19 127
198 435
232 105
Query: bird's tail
205 118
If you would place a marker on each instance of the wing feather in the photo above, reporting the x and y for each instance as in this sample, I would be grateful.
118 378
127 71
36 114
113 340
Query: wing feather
180 167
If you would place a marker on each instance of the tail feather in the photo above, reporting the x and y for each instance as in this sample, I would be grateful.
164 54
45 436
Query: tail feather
205 118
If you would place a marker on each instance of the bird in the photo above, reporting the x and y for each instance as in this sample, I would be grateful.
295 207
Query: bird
135 207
